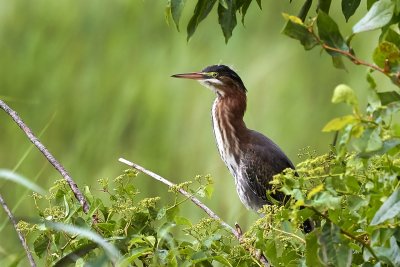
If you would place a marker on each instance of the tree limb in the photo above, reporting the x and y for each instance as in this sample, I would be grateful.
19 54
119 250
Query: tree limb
20 236
28 132
201 205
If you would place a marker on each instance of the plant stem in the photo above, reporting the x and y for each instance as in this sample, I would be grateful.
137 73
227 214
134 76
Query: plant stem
28 132
20 236
201 205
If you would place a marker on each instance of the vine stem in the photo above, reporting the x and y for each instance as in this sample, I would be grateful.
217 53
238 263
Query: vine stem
28 132
253 251
20 236
344 232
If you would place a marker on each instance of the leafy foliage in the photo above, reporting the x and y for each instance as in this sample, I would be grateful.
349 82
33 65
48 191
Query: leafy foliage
351 193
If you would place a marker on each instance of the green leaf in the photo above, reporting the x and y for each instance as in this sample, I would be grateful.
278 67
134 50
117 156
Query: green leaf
110 249
389 254
295 29
227 18
392 37
344 93
387 53
326 200
176 11
334 250
312 250
339 123
389 209
388 97
329 33
223 3
134 254
243 5
201 11
378 16
19 179
304 10
41 244
370 141
324 5
349 7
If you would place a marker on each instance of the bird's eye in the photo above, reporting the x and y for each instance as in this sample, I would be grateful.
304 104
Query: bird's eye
214 74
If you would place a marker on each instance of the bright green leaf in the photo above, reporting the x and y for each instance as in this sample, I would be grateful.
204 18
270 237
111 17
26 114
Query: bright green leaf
223 3
227 18
339 123
329 33
391 36
370 141
349 7
389 209
201 11
344 93
378 16
295 29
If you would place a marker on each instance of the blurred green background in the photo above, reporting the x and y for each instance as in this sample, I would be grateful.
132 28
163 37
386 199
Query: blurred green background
97 73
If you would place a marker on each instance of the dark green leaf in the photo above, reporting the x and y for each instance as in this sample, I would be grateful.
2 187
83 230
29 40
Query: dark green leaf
40 245
259 3
227 18
388 97
329 33
378 16
389 209
304 10
370 3
243 5
390 255
223 3
176 11
392 37
201 11
295 29
324 5
338 62
387 54
334 250
312 250
349 7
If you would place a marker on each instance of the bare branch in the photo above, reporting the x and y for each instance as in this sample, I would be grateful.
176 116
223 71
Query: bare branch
20 236
236 233
78 195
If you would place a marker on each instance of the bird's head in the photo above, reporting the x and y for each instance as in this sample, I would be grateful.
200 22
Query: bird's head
219 78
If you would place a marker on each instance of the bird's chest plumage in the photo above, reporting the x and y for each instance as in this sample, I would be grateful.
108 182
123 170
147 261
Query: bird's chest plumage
232 154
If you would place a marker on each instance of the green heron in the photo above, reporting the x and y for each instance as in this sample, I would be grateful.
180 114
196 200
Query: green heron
252 158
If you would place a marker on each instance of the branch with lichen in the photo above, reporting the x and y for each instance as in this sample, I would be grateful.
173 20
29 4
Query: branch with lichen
236 232
60 168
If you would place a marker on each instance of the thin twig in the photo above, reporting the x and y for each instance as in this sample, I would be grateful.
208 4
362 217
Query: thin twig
350 235
78 195
20 236
201 205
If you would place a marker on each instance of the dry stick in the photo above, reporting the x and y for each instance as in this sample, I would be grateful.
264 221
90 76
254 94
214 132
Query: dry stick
201 205
20 236
78 195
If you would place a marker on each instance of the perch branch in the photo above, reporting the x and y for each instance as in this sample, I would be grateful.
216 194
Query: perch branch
202 206
20 236
28 132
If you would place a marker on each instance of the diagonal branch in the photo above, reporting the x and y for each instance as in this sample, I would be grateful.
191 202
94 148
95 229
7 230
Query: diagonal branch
20 236
28 132
237 233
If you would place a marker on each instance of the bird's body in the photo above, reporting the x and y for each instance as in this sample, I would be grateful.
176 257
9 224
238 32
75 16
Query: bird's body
252 158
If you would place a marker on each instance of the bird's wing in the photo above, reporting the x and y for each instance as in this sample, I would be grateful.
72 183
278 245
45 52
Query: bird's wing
261 161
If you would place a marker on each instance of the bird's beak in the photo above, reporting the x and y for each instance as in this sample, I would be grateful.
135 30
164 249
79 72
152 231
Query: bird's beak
191 75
